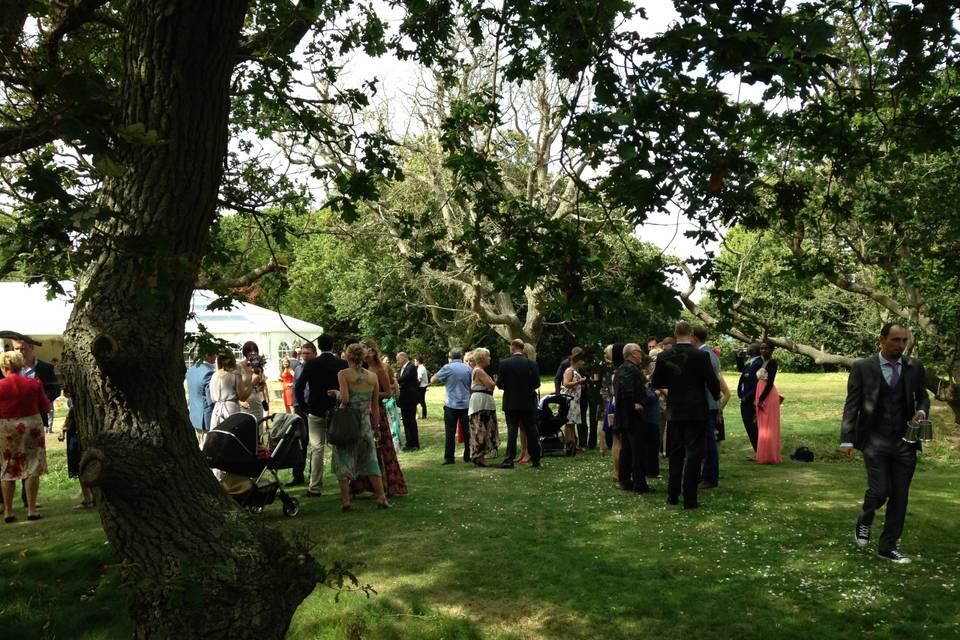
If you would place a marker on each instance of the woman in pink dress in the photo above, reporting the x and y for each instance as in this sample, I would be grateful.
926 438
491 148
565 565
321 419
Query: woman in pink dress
768 409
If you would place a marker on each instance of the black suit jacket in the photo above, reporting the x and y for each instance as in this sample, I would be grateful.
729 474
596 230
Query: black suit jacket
409 385
684 371
519 378
51 385
321 375
747 386
863 393
630 389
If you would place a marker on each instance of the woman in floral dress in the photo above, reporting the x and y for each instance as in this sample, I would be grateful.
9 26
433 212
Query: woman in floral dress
359 389
23 452
573 382
393 482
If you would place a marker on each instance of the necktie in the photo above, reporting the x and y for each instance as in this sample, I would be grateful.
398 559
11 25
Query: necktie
894 373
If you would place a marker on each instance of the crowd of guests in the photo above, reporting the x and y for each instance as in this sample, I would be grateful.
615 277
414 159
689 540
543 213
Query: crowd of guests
663 400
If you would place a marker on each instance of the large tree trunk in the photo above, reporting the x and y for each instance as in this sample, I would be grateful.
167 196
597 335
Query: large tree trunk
197 565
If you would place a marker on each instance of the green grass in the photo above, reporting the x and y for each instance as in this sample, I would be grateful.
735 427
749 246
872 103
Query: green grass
562 553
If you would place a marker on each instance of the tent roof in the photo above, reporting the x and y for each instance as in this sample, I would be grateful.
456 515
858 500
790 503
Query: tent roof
27 310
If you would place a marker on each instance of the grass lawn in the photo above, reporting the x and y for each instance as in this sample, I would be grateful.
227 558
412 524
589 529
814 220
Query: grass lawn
563 553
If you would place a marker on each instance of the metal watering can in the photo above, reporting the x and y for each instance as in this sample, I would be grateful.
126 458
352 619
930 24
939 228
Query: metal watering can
918 431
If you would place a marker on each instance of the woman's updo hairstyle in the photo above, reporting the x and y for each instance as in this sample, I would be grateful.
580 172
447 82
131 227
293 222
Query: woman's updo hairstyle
354 353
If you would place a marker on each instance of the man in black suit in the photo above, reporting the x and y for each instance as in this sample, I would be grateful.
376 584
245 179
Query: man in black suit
409 399
747 389
883 393
684 371
308 351
519 378
630 392
320 375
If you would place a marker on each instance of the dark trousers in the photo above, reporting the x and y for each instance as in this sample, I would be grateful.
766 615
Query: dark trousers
633 476
526 420
651 449
749 414
711 464
423 400
890 464
451 417
590 416
411 432
685 450
301 465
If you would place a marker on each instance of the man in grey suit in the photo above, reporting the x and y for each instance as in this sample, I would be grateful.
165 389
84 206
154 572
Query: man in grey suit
883 393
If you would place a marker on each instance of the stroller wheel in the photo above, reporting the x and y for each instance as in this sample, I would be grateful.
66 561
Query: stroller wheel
291 507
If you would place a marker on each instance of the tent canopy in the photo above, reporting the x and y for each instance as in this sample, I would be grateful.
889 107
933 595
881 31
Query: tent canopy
27 310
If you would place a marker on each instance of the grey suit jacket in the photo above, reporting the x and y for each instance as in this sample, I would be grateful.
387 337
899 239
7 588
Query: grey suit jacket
863 393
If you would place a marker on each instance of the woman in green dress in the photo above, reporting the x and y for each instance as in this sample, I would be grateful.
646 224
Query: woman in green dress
359 389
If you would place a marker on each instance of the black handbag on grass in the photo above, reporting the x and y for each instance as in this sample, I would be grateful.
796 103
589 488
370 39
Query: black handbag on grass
344 428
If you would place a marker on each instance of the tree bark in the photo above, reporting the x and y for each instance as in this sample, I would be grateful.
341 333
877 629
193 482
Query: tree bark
198 566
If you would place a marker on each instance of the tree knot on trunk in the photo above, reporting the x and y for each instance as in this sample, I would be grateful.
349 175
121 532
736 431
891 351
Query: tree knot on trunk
116 460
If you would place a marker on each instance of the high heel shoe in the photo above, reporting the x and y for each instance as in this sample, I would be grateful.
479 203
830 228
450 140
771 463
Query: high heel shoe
384 505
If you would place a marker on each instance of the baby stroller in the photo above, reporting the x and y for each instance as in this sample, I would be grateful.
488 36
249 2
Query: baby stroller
553 416
234 447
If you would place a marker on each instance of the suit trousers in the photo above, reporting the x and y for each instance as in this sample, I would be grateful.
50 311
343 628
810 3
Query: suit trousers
451 417
318 427
527 420
299 468
411 432
633 476
711 464
748 411
590 416
890 465
423 400
685 450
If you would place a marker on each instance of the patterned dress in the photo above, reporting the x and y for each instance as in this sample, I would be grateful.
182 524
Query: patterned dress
393 482
484 434
358 460
574 416
23 451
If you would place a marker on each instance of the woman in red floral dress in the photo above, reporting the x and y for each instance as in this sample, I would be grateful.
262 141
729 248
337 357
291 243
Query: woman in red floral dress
23 454
393 482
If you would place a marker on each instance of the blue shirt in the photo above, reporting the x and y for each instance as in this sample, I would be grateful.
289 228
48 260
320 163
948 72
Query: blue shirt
201 409
887 367
455 376
712 404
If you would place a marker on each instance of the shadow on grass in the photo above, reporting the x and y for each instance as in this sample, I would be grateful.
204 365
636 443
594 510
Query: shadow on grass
562 553
57 579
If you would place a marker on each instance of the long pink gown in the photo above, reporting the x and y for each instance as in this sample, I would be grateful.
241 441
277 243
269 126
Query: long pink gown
768 426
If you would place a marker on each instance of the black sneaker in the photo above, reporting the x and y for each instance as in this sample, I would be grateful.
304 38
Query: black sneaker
861 534
894 555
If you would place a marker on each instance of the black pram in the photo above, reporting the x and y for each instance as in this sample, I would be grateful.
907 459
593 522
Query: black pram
231 447
553 416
